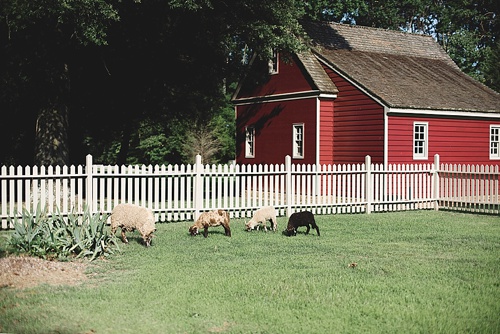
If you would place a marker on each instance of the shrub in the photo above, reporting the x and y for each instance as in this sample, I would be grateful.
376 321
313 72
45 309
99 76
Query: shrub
62 237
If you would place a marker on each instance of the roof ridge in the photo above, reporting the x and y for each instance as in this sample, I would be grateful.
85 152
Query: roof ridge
341 36
357 26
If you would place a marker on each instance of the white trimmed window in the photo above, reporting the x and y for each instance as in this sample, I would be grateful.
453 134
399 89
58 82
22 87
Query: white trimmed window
298 141
273 62
495 142
420 140
250 142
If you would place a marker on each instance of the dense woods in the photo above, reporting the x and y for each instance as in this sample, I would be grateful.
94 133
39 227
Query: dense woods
150 81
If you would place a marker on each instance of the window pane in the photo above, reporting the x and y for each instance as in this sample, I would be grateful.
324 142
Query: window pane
250 143
494 142
298 141
419 141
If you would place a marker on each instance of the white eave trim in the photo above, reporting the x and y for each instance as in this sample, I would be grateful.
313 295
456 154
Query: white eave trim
327 96
282 97
445 113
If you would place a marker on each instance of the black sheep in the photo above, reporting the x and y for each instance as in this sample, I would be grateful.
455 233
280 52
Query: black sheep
303 218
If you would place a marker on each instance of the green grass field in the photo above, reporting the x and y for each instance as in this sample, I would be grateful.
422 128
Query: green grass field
416 272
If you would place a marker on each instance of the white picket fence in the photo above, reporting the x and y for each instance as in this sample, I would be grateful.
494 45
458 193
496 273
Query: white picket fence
182 192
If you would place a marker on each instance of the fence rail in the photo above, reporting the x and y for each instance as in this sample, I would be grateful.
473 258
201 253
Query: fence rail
182 192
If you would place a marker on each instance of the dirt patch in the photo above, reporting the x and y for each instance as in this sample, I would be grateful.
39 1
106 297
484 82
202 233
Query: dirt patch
24 272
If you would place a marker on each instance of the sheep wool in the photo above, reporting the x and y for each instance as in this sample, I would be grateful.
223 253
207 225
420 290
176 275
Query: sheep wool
211 219
131 217
260 216
303 218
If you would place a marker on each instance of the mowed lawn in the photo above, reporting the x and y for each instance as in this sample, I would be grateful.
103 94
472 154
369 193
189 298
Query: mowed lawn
403 272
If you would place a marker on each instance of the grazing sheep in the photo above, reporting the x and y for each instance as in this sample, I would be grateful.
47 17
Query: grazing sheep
260 216
211 219
304 218
131 217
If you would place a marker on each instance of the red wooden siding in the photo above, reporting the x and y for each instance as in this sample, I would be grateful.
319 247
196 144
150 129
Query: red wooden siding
358 126
273 130
326 131
289 79
463 141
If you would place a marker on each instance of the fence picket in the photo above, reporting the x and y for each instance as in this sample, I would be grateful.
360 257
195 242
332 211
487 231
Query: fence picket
183 192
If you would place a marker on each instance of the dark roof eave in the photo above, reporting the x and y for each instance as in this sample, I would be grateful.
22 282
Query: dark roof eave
317 74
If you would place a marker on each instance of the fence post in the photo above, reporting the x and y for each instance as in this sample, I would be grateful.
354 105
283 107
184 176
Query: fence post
89 192
288 185
435 181
198 188
368 184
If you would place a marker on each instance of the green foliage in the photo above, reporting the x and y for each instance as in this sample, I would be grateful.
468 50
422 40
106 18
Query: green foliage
40 41
224 125
169 65
152 143
492 67
83 20
469 30
61 237
462 46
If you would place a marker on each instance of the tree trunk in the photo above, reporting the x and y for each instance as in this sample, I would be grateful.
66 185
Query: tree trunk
51 131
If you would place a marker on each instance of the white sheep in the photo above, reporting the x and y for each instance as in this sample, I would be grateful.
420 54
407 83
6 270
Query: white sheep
260 216
131 217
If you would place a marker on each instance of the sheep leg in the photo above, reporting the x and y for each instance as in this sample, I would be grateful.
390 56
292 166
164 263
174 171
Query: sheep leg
227 230
308 229
205 231
274 224
315 227
124 237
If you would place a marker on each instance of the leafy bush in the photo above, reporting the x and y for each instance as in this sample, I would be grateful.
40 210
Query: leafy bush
62 237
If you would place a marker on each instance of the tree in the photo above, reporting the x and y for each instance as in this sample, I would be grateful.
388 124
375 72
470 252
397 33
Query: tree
40 40
151 67
200 141
492 67
172 64
469 30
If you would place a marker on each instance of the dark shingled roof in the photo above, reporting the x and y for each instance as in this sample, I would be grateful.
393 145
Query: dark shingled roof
403 70
317 73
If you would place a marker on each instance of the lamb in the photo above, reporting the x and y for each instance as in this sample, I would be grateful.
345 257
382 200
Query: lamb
304 218
260 216
211 219
131 217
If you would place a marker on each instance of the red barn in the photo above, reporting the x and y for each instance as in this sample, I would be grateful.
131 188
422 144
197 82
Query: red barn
395 96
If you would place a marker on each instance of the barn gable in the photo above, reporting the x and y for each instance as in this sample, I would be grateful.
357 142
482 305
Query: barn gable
274 107
302 74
